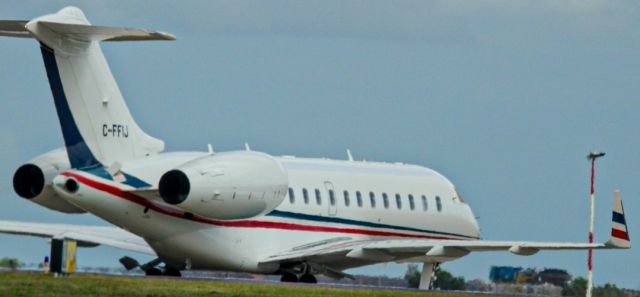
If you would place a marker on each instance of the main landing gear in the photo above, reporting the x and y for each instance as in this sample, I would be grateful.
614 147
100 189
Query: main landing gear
166 272
150 268
171 272
153 272
290 275
307 278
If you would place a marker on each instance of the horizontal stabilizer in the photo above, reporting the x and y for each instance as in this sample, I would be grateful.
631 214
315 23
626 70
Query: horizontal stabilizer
71 23
101 33
14 29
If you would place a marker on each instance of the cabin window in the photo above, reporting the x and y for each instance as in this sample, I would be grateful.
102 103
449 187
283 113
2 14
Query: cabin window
398 201
346 198
372 198
438 203
425 205
305 195
385 200
318 197
332 197
292 197
359 198
412 204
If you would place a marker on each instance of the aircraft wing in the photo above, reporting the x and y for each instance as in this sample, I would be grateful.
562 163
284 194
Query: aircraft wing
337 251
86 236
418 250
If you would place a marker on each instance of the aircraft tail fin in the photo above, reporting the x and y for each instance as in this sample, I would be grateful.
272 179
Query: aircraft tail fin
619 232
97 126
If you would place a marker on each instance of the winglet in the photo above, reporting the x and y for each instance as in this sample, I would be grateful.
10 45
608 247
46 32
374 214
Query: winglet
619 232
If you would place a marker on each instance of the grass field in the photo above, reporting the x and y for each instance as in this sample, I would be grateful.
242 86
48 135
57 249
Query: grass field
38 284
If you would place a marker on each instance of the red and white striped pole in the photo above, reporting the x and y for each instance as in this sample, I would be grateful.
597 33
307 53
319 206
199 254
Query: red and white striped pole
592 156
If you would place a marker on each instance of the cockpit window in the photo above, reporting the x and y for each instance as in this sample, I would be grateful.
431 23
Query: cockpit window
459 196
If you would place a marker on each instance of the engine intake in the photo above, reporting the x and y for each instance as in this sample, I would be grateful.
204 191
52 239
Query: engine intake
28 181
33 181
174 187
226 186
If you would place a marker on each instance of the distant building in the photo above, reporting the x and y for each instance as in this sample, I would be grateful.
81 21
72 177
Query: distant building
517 275
558 277
504 274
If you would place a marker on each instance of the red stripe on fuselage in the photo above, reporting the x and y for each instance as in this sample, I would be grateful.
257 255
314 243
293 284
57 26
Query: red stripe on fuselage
115 191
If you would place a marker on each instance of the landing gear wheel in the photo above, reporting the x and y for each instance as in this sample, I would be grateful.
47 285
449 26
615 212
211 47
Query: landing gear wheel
288 277
171 272
153 271
308 278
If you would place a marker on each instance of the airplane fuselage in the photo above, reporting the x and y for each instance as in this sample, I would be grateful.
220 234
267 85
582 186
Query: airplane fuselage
354 199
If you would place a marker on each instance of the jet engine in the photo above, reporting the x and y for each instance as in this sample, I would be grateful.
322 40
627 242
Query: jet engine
226 186
33 181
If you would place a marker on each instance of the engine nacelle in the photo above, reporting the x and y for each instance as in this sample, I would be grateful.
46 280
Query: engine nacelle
33 181
226 186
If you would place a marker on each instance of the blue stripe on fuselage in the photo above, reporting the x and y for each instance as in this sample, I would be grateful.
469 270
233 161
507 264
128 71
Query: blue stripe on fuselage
80 156
301 216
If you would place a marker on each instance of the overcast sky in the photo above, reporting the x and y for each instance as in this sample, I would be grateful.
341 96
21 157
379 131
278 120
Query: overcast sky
503 97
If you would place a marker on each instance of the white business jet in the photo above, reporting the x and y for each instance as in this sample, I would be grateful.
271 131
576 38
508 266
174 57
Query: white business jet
242 211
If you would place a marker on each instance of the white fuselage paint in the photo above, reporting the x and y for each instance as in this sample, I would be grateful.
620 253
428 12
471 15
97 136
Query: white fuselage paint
201 243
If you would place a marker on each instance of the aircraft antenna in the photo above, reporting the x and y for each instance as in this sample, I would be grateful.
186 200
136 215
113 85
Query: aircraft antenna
210 147
592 157
246 146
349 155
